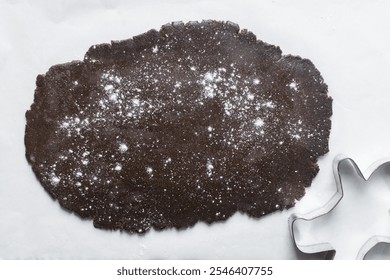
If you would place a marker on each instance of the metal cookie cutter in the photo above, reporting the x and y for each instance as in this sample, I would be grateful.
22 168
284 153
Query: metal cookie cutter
360 213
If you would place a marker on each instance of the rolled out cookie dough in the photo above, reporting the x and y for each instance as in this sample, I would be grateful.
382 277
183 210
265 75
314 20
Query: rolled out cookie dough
190 123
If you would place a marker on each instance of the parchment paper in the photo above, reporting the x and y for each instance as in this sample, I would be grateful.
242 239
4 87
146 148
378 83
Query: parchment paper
346 40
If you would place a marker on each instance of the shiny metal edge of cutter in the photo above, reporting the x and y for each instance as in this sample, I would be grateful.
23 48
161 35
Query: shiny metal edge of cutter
332 203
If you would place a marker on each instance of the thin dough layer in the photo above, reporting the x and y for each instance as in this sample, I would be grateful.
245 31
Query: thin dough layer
190 123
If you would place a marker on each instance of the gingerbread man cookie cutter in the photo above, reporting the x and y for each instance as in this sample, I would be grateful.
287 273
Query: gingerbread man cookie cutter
301 225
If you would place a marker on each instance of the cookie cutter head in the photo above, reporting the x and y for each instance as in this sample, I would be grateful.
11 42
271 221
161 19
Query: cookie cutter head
353 220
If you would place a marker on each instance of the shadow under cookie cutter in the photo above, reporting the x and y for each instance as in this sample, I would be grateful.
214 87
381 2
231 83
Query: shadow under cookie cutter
327 248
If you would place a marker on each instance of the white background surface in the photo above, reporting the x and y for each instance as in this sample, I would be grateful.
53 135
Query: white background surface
348 41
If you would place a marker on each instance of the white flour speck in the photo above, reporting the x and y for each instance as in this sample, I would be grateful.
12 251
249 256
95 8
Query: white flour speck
114 97
209 168
108 88
54 179
118 167
149 170
258 122
293 85
117 79
123 148
209 76
227 106
269 104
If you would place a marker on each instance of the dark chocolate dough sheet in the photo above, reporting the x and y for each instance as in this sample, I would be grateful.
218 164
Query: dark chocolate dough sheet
190 123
